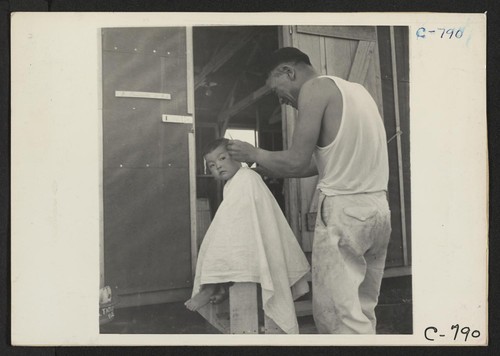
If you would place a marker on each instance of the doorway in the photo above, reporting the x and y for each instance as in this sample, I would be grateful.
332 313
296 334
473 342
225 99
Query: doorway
231 99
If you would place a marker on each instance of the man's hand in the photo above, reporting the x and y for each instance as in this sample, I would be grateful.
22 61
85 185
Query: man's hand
242 151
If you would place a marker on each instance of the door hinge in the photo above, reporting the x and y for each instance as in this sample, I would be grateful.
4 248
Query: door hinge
290 29
300 221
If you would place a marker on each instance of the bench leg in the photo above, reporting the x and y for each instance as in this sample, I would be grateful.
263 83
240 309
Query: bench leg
270 327
243 308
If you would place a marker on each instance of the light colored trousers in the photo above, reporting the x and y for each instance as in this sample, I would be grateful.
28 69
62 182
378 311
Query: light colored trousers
348 259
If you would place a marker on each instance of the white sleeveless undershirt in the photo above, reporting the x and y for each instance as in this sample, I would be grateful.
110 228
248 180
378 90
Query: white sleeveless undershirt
356 161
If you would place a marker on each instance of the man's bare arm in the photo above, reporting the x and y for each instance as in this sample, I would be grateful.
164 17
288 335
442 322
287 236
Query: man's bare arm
312 170
296 161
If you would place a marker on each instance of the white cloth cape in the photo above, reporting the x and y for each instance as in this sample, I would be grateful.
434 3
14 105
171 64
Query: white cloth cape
249 240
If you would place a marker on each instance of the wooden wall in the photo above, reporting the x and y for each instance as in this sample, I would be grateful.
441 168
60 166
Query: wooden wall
395 254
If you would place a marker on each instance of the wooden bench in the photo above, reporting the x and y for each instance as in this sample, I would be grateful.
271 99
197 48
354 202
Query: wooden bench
240 314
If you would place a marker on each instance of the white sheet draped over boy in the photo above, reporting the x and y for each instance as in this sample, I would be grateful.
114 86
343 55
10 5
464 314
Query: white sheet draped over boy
249 240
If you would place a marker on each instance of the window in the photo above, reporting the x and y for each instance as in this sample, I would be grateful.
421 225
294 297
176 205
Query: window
247 135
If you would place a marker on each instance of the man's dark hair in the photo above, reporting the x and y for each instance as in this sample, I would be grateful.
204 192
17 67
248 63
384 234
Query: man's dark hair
213 145
285 55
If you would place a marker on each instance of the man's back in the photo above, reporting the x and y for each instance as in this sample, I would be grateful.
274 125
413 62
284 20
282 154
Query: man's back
355 160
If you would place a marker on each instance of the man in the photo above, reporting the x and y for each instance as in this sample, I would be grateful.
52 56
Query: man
340 135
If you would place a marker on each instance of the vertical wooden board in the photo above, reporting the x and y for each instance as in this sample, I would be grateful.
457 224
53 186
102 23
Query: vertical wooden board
363 33
361 62
406 146
373 80
149 40
207 187
322 54
270 327
138 139
243 308
373 84
203 219
189 70
315 48
146 245
310 45
353 46
287 123
402 54
146 189
218 316
131 139
292 185
395 250
154 60
383 47
174 79
192 202
307 190
339 56
142 75
173 145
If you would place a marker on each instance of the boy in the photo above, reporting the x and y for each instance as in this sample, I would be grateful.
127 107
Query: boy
249 240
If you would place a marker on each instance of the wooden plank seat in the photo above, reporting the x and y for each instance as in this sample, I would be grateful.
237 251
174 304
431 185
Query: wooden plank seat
239 314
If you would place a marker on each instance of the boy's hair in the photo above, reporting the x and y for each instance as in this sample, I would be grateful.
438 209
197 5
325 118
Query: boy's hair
214 145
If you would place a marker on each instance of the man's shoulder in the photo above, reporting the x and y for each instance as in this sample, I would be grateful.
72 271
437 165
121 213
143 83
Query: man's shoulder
321 85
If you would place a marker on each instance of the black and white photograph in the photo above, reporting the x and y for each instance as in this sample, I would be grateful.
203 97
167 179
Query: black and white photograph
249 179
185 253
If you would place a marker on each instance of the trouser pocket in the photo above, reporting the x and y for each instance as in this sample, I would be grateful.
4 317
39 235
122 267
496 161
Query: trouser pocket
358 225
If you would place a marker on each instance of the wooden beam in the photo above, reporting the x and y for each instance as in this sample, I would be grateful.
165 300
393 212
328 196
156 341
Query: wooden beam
362 33
361 62
292 187
192 201
224 117
399 146
230 98
217 315
303 308
402 271
270 327
190 70
243 308
222 56
148 298
227 104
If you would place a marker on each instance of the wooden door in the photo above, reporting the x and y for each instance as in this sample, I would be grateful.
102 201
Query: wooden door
147 119
348 52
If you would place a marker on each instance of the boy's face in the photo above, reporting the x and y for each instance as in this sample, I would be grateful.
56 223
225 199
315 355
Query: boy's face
221 165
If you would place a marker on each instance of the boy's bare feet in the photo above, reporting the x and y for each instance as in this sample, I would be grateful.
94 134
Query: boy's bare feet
202 298
221 295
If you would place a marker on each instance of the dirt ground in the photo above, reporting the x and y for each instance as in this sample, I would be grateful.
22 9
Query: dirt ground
394 314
